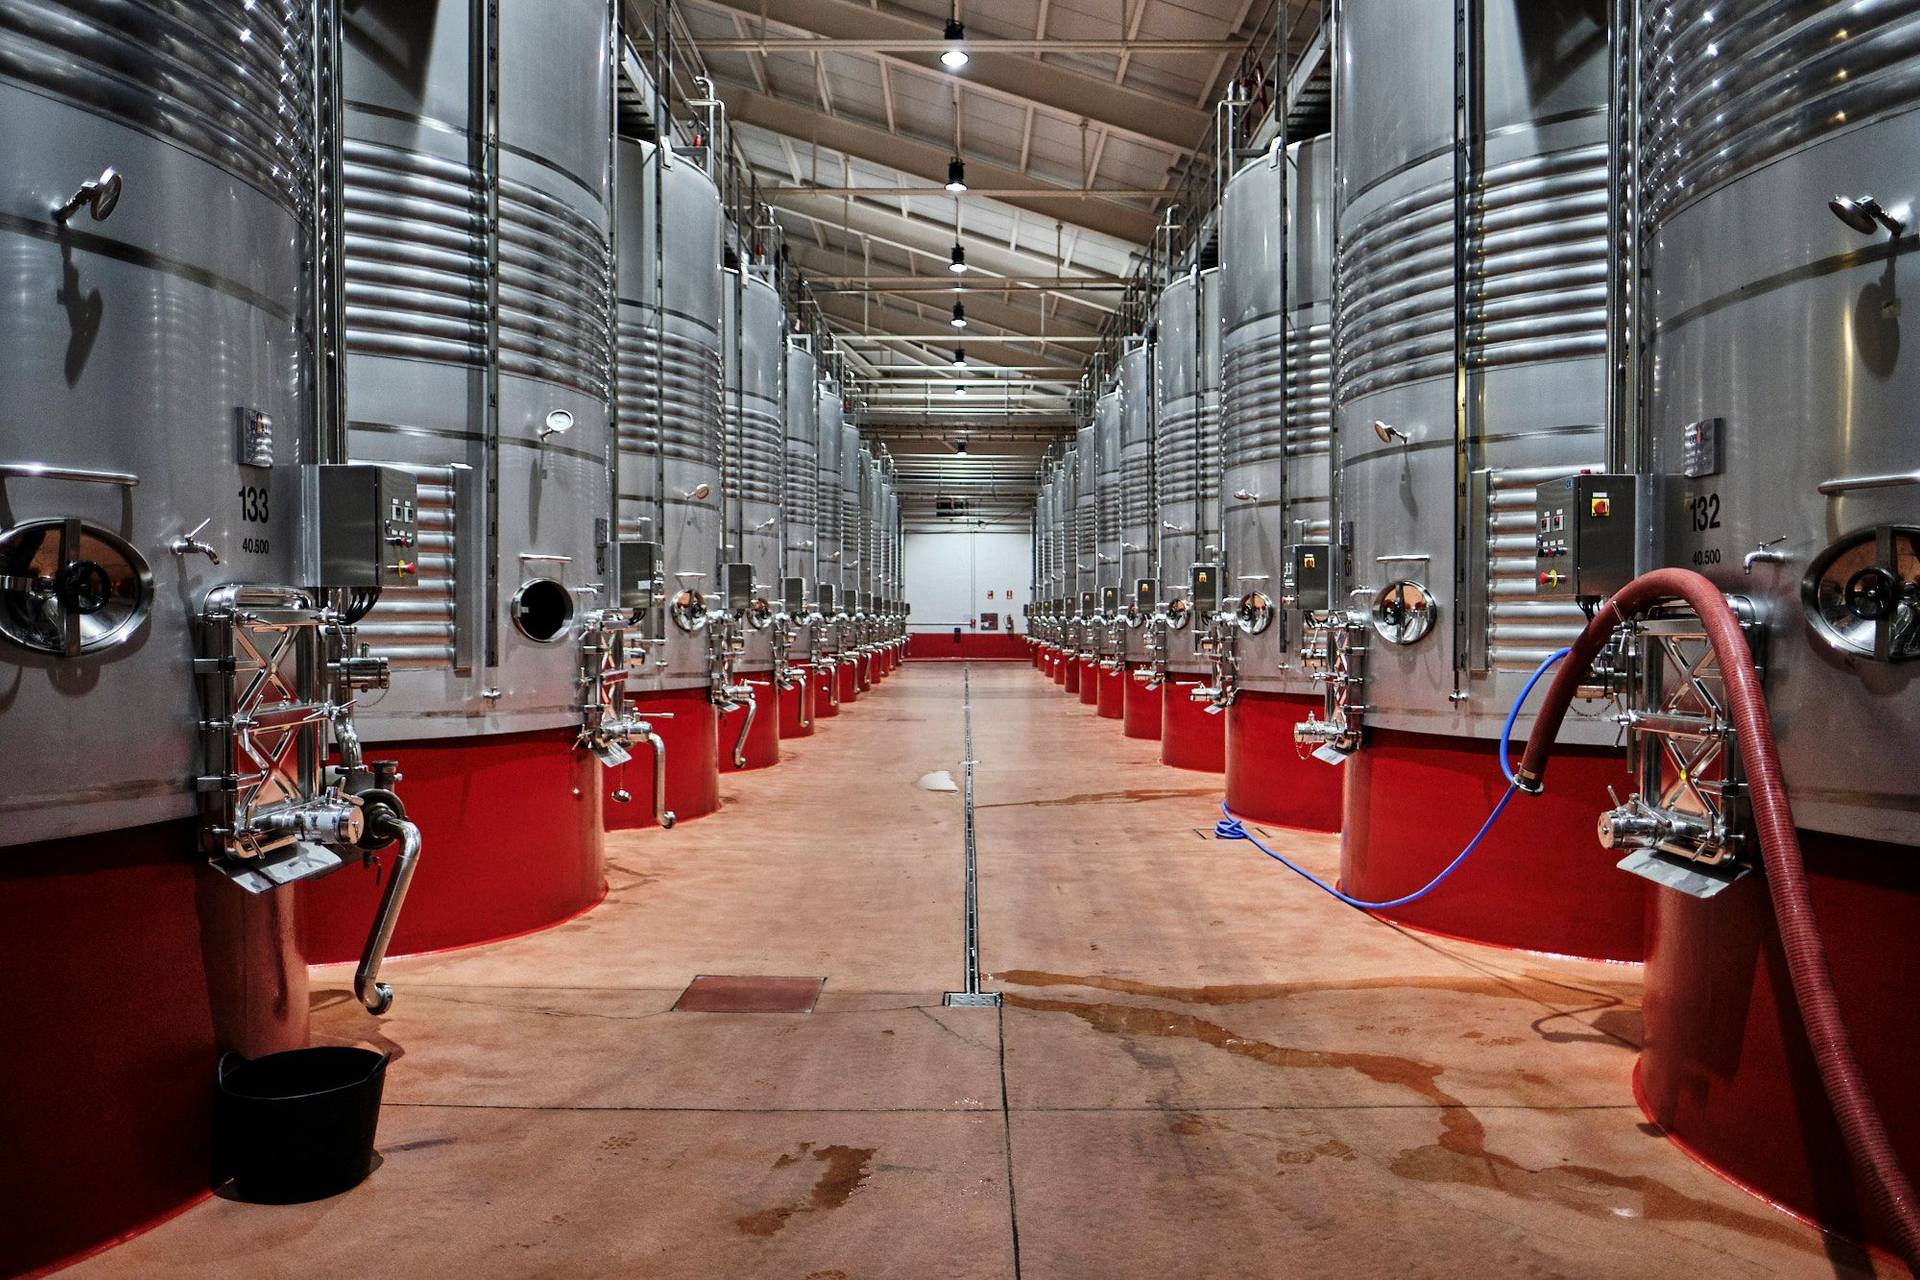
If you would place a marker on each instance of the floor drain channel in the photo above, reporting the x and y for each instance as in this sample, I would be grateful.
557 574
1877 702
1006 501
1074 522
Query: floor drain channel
971 995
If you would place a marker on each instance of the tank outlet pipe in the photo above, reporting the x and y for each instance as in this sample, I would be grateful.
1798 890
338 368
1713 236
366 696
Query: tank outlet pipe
1859 1119
376 995
661 814
746 726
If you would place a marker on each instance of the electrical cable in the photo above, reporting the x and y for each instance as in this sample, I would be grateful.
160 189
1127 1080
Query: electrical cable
1232 828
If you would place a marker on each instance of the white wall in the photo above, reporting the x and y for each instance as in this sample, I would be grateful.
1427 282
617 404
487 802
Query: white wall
949 576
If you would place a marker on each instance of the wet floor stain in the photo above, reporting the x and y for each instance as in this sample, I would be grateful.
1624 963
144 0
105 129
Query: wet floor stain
845 1172
1332 1149
1460 1156
1133 795
1524 986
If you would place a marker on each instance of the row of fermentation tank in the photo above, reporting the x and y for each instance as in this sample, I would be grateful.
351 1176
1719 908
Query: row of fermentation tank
1430 385
407 461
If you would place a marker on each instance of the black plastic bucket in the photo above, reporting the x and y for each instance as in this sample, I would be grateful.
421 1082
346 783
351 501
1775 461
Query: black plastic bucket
296 1126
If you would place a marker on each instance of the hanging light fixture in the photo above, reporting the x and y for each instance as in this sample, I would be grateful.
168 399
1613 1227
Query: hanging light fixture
960 389
954 56
956 175
959 357
957 260
959 315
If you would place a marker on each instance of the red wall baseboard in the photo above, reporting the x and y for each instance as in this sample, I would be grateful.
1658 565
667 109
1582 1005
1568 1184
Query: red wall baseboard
989 646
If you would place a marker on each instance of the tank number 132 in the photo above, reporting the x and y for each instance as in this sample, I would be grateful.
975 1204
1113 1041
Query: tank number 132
253 503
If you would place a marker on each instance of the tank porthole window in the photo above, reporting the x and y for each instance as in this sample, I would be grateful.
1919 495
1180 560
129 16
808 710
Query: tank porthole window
69 588
542 609
1862 594
1403 612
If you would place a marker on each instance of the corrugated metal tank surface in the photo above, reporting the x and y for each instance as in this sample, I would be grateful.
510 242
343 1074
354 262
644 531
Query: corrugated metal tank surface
1133 383
800 494
1276 384
832 510
1781 324
754 361
1106 439
1187 442
419 335
130 344
670 362
852 532
1086 523
1533 323
1067 533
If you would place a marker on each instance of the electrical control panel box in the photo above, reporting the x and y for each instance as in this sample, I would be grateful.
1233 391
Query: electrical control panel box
638 565
1086 604
736 584
1206 590
1145 596
793 596
363 525
825 590
1306 581
1109 600
1585 536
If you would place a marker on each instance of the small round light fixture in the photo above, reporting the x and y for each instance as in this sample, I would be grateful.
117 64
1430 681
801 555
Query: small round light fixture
954 56
959 315
957 260
960 390
956 175
959 357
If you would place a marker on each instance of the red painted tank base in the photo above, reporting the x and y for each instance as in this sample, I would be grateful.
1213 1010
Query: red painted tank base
1062 668
1111 701
692 738
1140 717
762 749
1089 682
1539 881
796 705
1070 678
1726 1069
510 830
1190 737
825 707
135 967
849 682
1269 778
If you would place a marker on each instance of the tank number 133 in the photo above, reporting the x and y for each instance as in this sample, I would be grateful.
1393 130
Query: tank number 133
253 503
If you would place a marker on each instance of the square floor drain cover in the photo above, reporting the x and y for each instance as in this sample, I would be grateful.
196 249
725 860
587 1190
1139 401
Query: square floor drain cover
719 993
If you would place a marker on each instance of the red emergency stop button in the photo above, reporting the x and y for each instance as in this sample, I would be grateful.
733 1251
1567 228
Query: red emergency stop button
403 567
1551 578
1602 507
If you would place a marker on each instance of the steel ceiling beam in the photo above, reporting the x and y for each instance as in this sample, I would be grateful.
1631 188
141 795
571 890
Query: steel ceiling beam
928 161
996 68
986 308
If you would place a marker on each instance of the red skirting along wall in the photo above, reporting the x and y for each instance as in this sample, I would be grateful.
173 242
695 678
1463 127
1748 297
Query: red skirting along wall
796 704
693 761
1540 881
1111 700
1269 779
131 968
1089 682
1190 738
1726 1069
510 831
825 696
976 646
1141 715
763 738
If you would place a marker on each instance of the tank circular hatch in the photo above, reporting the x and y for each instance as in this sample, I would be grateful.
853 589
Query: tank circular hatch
68 587
1862 594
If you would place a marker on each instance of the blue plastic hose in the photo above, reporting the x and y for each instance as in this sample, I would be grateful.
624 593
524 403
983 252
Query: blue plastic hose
1231 828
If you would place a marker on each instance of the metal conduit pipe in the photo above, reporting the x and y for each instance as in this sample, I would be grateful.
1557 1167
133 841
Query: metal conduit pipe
1853 1106
661 814
376 995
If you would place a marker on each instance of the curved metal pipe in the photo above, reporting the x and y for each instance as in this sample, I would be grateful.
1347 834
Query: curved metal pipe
376 995
661 814
746 728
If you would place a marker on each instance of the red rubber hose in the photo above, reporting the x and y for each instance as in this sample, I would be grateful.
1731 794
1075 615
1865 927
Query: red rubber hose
1853 1107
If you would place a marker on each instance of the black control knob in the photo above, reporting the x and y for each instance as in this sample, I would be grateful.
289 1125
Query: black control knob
1871 594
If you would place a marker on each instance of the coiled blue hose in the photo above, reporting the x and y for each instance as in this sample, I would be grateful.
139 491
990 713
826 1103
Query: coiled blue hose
1231 828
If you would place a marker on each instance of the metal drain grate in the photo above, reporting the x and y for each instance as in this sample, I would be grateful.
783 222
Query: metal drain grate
720 993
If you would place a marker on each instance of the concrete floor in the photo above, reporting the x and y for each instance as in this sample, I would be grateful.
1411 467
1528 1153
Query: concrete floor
1204 1067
